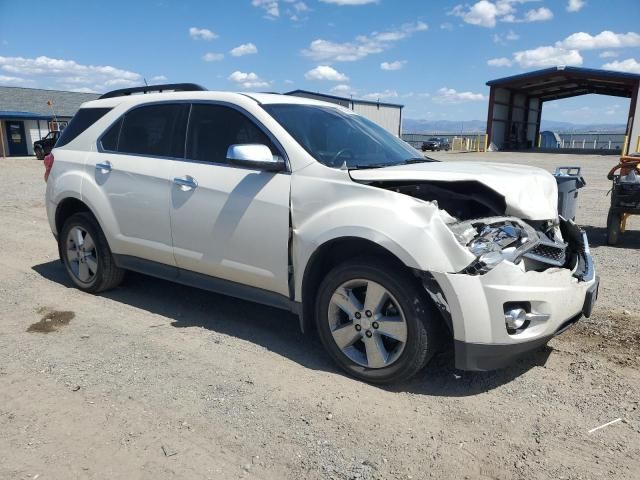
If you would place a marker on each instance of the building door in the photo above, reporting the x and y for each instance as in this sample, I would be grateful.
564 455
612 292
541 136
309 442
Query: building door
16 138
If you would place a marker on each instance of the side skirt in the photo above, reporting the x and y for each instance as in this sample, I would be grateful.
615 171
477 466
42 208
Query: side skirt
206 282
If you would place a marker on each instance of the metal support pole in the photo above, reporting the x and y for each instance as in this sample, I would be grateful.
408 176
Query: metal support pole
4 153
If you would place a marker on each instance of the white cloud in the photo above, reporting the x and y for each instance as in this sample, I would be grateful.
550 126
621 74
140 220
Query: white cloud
248 80
502 39
202 34
547 57
213 57
575 5
486 13
609 54
343 89
605 39
446 26
349 2
270 7
499 62
450 96
629 65
482 13
244 49
390 66
297 10
294 9
362 46
158 79
381 95
325 72
8 80
541 14
67 73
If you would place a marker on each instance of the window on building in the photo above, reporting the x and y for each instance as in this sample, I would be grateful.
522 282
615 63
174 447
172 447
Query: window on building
156 130
214 128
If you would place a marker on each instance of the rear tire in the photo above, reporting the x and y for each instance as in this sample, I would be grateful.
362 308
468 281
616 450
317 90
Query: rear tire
86 255
39 153
613 228
390 360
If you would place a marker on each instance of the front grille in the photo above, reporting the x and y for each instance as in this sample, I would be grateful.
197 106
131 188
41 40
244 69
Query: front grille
551 253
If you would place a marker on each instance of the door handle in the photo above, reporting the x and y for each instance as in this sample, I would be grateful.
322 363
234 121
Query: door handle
104 167
186 183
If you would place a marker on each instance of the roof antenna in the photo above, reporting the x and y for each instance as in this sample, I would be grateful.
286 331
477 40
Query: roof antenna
145 82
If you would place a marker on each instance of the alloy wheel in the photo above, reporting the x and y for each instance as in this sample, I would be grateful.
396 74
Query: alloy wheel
81 255
367 323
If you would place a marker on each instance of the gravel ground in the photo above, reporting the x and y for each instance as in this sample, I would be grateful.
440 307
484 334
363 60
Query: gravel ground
155 380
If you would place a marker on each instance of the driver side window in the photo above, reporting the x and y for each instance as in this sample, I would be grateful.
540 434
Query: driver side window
214 128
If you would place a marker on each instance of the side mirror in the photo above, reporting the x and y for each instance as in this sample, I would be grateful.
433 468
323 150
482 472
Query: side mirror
255 156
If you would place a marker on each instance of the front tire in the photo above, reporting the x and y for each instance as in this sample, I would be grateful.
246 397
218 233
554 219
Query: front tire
86 255
375 321
39 153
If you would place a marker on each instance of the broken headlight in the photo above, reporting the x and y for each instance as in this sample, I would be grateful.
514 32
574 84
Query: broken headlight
492 240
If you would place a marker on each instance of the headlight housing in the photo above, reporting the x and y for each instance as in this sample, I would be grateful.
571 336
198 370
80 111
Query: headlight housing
493 240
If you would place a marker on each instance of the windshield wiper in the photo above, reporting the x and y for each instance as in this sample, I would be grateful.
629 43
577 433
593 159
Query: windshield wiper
365 167
419 160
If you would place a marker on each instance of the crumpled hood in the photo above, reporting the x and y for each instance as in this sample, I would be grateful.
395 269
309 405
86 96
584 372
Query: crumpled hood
529 192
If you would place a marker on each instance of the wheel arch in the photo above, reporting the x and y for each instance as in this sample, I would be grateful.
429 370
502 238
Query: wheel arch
327 256
68 207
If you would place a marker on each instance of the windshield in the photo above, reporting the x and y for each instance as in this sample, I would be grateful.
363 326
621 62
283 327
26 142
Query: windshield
335 137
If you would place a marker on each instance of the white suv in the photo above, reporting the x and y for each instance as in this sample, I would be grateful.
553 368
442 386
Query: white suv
309 207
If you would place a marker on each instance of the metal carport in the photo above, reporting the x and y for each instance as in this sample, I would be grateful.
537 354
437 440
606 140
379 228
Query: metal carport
515 102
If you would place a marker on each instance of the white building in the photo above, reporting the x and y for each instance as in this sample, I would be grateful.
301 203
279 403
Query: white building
28 114
387 115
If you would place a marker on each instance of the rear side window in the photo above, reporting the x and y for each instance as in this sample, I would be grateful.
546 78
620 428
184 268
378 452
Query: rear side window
83 119
109 140
213 128
157 130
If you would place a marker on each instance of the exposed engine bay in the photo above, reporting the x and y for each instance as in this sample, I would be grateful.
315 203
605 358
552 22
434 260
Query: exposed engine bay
479 224
463 200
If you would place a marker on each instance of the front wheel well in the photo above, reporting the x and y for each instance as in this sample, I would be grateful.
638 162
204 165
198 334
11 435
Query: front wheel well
329 255
68 207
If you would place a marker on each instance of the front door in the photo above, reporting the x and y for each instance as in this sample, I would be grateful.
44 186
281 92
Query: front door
229 222
16 138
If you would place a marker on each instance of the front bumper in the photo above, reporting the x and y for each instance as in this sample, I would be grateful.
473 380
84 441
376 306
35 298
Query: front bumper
476 305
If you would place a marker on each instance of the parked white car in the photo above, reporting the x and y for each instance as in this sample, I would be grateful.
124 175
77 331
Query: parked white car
309 207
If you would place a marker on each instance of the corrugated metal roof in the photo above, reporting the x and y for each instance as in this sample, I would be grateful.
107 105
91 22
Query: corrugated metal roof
24 115
569 71
65 104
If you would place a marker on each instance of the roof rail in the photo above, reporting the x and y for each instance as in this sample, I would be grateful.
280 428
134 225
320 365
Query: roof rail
174 87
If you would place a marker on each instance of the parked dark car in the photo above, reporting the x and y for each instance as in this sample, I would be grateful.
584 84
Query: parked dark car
43 146
435 144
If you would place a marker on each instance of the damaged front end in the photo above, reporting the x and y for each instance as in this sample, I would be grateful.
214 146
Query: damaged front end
533 246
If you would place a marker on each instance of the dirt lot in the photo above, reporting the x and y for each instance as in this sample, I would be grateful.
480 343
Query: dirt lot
155 380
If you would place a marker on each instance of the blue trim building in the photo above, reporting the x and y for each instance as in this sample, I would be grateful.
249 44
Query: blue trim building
29 114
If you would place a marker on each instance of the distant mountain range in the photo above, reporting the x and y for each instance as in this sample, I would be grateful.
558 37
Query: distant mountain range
410 125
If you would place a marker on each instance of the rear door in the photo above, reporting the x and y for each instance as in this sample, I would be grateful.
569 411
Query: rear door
132 170
227 221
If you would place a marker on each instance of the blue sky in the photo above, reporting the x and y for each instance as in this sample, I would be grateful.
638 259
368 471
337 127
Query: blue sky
432 56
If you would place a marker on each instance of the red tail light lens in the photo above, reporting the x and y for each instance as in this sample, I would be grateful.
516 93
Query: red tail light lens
48 163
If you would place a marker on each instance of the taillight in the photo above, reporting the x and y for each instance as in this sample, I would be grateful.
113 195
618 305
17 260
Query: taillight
48 163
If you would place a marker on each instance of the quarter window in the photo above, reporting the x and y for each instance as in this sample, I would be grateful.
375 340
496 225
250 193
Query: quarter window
83 119
214 128
110 139
156 130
